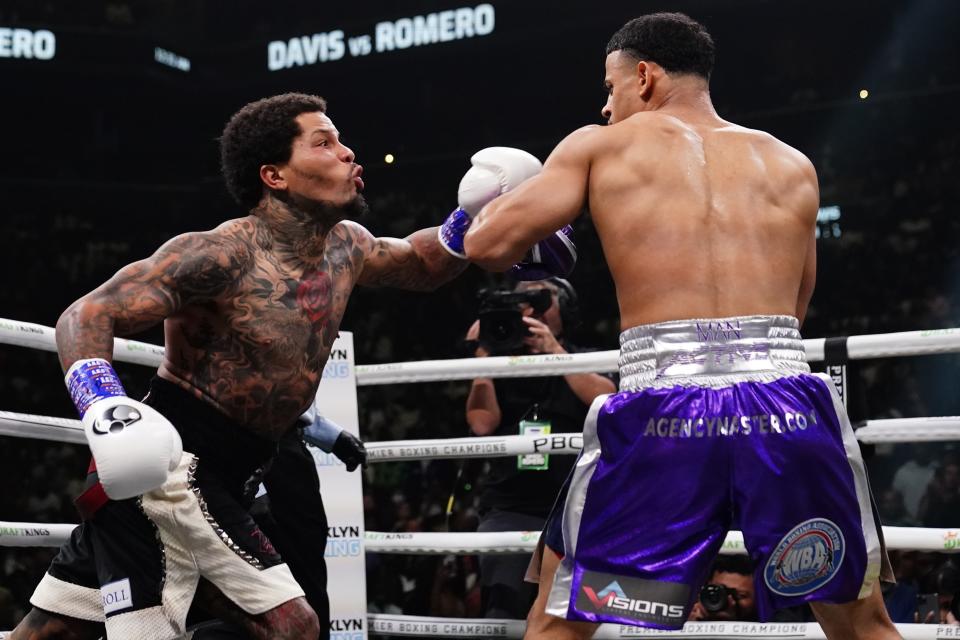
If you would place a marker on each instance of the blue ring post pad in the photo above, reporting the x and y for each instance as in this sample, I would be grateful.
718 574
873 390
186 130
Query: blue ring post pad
92 380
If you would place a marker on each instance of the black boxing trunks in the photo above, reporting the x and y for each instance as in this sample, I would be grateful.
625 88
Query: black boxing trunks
135 564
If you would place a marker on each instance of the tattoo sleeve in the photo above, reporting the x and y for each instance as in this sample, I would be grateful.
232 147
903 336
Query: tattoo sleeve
416 263
191 267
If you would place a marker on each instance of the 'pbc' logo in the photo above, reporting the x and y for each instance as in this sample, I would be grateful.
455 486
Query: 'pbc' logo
116 419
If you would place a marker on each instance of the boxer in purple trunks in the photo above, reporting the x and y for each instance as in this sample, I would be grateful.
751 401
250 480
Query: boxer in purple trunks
708 229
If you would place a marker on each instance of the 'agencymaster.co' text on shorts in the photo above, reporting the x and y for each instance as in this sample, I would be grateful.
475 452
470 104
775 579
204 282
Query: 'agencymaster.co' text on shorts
719 425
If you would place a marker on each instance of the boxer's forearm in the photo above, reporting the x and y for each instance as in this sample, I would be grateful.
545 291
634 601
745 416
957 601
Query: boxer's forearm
85 330
88 326
436 265
417 262
194 266
492 243
120 307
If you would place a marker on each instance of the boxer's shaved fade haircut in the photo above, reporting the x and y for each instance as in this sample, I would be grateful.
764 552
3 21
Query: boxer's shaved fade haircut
262 132
675 41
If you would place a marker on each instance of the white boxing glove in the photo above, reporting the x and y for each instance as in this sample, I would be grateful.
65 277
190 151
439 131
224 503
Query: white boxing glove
495 171
133 445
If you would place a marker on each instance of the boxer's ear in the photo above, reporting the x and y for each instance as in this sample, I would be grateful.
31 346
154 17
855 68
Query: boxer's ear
273 177
646 78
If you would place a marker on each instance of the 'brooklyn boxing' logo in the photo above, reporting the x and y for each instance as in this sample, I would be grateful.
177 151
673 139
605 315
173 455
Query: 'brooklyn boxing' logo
116 419
807 558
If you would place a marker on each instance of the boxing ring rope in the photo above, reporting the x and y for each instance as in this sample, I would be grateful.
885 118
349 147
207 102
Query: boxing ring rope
418 626
424 627
34 534
911 343
892 430
883 345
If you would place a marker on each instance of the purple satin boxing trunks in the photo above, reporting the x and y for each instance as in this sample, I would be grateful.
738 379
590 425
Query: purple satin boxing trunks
719 425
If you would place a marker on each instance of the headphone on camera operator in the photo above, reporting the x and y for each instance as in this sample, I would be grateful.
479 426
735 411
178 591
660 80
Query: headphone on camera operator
502 329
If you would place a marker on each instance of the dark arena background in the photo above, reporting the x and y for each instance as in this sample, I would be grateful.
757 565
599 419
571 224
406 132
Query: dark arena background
110 112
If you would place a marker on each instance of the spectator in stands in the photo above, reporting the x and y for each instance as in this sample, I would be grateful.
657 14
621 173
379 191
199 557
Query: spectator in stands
940 505
912 478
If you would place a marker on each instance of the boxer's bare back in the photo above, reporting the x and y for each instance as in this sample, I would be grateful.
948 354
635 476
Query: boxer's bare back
698 217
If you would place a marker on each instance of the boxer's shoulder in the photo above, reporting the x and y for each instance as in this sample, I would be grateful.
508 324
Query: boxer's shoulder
229 248
350 231
587 135
234 237
349 241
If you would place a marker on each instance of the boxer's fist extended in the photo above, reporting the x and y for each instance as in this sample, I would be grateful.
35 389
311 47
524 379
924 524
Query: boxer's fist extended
494 170
555 255
133 445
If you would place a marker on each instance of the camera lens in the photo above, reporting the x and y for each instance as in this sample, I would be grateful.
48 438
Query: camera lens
714 598
500 331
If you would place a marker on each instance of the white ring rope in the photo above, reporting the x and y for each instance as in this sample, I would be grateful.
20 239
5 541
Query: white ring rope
907 343
420 627
34 534
26 425
941 429
37 336
424 627
893 430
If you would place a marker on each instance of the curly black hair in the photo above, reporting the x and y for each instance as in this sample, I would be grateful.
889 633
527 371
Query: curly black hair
675 41
262 132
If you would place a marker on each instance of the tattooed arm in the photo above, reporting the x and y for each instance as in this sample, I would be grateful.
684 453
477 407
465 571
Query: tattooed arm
190 267
417 262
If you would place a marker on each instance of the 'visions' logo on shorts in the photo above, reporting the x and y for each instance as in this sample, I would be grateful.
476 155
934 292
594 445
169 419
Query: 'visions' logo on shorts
807 558
642 600
606 596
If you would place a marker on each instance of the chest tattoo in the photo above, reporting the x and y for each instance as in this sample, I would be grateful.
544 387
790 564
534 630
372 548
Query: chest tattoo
315 294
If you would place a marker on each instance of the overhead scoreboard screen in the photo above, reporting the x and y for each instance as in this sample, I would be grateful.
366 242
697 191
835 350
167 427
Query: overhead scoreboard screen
74 48
27 44
382 37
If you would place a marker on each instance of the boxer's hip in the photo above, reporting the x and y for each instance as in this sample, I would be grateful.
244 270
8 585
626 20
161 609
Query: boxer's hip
717 426
227 448
710 351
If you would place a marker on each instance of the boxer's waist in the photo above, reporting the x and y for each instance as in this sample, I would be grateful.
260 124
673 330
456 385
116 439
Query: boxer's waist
711 347
209 433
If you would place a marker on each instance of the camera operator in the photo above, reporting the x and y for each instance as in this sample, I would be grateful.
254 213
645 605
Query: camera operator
729 594
517 493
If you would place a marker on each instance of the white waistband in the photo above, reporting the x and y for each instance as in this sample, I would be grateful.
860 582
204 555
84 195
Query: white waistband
713 347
